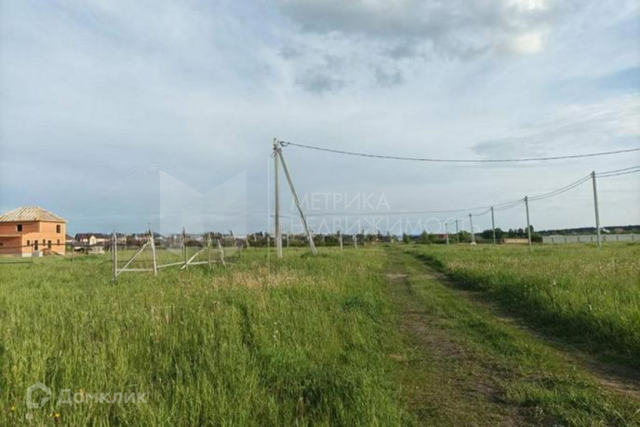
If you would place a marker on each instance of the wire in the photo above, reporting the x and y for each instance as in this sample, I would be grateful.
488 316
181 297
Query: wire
561 190
418 159
410 212
618 172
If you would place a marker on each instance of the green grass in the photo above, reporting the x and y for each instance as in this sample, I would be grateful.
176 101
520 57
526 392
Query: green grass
577 292
304 343
478 369
325 340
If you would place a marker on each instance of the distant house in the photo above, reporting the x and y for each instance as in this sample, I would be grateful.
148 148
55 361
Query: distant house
30 229
91 242
86 239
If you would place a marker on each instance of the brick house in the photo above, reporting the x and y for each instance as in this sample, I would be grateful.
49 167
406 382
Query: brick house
31 228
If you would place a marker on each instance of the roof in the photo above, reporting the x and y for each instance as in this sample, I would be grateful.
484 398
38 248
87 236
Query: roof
30 213
96 235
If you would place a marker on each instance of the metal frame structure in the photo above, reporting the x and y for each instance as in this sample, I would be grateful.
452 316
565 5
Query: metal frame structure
209 248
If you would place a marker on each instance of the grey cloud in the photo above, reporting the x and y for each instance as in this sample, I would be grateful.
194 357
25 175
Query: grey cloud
289 53
453 27
388 78
368 33
320 83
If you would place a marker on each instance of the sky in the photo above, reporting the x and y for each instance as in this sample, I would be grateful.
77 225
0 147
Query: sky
123 115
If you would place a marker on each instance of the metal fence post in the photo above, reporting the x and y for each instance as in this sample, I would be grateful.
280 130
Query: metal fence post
595 205
493 226
446 232
153 254
184 248
526 204
115 256
473 235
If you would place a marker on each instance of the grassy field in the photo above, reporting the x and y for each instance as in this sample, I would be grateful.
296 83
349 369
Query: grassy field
578 292
366 337
302 343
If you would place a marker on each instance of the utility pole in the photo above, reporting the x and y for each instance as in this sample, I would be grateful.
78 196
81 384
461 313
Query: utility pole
526 204
457 232
473 235
446 232
303 218
493 226
278 230
595 205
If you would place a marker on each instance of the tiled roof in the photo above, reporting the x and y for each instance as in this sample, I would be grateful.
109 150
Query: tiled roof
30 213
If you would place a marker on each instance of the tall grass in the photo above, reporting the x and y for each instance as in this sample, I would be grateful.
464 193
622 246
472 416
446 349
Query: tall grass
299 342
575 291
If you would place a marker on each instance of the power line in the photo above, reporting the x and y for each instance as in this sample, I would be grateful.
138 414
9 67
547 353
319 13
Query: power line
418 159
377 213
499 207
560 190
557 192
626 171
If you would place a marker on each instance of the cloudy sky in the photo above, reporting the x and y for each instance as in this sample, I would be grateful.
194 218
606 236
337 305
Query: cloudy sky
114 114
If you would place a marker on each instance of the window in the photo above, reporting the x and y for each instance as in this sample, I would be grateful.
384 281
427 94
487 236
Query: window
58 229
49 244
58 240
19 228
28 242
44 242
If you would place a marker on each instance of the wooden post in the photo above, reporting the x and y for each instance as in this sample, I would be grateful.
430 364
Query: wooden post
355 241
340 240
446 232
457 232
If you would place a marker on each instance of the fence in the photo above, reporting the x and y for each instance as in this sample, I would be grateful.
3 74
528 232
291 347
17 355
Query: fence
152 252
607 238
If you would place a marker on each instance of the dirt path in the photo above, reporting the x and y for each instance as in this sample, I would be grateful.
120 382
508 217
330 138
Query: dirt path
448 385
617 378
470 365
